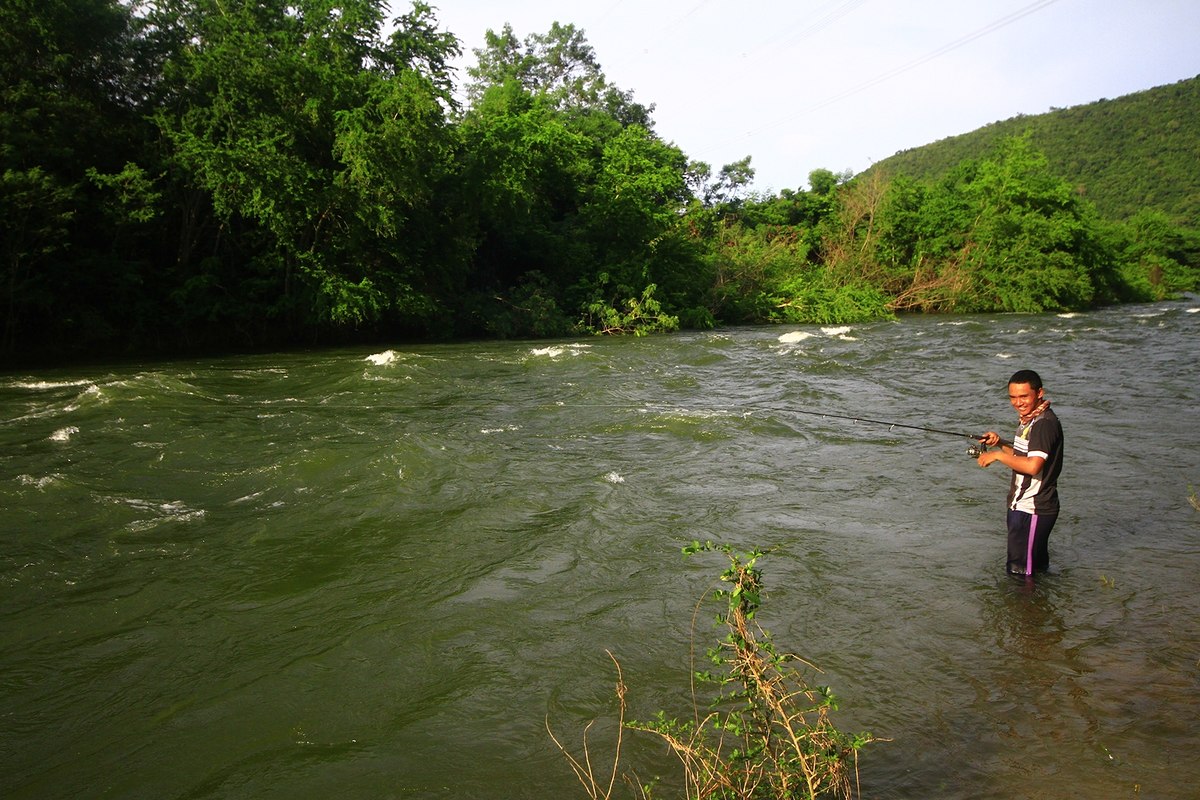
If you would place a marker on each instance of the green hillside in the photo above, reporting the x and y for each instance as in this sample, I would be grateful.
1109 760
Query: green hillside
1137 151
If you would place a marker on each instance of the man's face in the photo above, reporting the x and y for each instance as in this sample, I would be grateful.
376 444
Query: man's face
1023 398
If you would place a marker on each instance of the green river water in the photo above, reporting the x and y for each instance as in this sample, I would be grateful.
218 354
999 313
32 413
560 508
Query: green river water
376 573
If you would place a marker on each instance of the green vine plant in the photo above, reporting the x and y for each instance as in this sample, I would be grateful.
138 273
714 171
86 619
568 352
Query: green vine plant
767 733
639 316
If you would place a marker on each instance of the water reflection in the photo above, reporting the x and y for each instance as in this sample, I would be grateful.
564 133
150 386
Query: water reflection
1023 615
1036 688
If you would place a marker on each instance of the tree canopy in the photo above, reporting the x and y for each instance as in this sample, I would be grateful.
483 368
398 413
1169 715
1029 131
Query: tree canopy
179 175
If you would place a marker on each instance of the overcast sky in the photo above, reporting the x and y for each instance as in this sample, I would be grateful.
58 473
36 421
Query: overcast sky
839 84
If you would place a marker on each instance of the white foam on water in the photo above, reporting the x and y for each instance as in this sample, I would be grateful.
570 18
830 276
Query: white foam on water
1004 355
614 478
1069 315
173 511
505 429
64 434
1191 310
45 385
559 350
382 359
38 483
92 390
692 413
795 336
840 332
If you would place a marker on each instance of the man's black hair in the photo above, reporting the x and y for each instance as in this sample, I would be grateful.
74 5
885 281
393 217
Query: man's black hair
1027 376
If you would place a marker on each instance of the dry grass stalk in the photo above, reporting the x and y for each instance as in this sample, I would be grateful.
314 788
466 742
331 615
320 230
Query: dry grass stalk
583 769
767 735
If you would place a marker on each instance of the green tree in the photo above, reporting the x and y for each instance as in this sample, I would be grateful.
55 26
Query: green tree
524 171
1158 259
302 121
632 215
559 65
1030 241
67 112
751 265
34 227
63 83
727 188
999 233
1124 154
822 181
577 199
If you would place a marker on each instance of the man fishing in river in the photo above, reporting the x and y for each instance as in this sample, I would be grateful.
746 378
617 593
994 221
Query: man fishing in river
1035 457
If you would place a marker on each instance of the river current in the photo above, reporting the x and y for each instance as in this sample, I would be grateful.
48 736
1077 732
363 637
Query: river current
379 573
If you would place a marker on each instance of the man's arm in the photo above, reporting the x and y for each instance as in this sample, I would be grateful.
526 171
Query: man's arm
1026 465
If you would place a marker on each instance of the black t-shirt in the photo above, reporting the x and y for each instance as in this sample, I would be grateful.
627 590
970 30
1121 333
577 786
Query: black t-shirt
1038 494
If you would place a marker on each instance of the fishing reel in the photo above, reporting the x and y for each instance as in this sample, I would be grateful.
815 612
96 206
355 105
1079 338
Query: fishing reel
976 449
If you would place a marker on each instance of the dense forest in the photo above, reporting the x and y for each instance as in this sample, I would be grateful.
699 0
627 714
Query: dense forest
225 175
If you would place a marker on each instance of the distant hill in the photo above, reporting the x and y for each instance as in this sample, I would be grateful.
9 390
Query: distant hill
1137 151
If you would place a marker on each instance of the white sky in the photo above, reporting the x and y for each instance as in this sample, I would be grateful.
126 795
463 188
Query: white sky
839 84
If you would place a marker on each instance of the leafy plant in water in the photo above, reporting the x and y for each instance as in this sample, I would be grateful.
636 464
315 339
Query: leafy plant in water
768 733
640 316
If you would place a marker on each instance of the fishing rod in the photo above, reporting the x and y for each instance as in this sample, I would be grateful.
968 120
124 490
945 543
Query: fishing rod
973 451
877 422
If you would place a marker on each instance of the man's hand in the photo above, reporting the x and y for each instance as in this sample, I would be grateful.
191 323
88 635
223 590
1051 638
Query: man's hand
1026 465
988 456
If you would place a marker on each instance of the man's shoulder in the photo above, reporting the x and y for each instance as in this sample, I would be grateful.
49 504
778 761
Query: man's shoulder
1049 423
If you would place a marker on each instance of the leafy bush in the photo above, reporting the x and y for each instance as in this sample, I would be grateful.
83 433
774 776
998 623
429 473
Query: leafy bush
530 309
638 315
803 300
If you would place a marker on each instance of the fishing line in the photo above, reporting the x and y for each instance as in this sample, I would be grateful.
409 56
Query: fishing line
875 422
973 450
661 408
780 410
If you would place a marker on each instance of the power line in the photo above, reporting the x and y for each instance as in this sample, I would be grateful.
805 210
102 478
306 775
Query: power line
925 59
675 23
815 26
603 16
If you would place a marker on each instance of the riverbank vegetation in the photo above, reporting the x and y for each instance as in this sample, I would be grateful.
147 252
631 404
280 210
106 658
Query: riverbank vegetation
187 175
766 734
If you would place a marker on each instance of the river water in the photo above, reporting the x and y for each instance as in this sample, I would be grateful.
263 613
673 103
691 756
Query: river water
378 573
